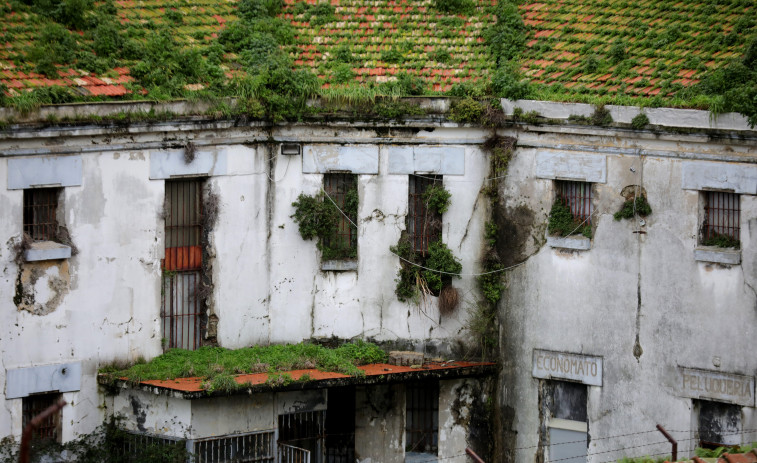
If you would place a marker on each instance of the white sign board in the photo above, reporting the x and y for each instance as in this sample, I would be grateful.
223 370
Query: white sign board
586 369
716 385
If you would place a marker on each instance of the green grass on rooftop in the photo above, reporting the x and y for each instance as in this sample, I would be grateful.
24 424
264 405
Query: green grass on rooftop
212 362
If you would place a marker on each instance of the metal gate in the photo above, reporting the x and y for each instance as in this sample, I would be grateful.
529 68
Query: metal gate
181 309
291 454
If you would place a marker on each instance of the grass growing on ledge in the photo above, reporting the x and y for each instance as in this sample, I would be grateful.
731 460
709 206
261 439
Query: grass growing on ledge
211 362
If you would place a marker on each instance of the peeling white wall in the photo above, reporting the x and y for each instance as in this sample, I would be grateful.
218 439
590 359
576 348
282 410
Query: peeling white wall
692 314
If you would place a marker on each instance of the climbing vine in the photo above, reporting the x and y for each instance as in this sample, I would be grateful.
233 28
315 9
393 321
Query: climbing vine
318 218
563 223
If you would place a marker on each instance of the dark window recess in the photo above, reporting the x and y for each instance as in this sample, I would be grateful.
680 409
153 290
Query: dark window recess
306 431
424 226
181 311
722 216
32 406
340 425
422 417
40 213
719 424
577 196
342 189
566 400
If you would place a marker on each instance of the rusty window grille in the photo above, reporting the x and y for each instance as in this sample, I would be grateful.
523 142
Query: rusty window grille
422 417
342 188
424 226
133 445
304 430
577 196
181 308
32 406
256 447
722 216
40 213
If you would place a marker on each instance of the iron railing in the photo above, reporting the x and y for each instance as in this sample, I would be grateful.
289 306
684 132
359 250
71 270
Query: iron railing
577 196
722 215
40 213
424 226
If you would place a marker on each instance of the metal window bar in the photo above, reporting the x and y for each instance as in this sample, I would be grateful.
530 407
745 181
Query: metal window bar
344 238
722 215
423 225
577 196
32 406
133 445
422 417
181 311
305 430
40 213
291 454
240 448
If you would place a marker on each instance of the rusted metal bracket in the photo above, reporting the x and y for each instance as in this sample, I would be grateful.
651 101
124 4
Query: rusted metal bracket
26 436
473 455
672 441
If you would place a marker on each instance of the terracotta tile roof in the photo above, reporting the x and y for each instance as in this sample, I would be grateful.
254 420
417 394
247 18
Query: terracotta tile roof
659 46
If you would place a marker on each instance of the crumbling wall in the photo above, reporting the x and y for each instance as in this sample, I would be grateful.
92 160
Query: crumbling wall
380 423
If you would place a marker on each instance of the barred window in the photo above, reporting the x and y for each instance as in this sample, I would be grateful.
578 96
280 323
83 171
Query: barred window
342 189
422 417
577 196
40 213
721 222
32 406
424 225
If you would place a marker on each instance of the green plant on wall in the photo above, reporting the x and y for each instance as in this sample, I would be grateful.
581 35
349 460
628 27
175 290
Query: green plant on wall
562 222
318 218
638 206
722 241
437 198
441 265
413 280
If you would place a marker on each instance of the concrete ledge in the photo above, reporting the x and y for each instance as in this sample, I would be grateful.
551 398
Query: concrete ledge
339 265
578 242
717 255
663 117
47 250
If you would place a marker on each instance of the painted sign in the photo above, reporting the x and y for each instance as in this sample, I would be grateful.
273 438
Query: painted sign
586 369
716 385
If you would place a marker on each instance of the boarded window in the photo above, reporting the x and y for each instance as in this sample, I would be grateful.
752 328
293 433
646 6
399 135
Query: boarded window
424 226
718 423
182 266
32 406
721 217
422 417
577 196
40 213
342 189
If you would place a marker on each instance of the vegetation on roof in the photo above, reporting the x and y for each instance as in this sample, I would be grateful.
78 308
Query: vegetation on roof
212 362
275 54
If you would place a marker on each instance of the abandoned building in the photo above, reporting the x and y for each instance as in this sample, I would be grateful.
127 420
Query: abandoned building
599 261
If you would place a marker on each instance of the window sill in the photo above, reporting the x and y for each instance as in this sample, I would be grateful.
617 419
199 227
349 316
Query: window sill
577 242
339 265
47 250
714 254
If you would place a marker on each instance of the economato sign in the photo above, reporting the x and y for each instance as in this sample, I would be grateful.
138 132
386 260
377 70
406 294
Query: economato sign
586 369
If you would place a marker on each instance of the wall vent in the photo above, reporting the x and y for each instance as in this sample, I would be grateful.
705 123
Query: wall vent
291 149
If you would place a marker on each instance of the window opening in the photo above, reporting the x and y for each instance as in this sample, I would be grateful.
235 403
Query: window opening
722 217
40 213
567 421
133 446
32 406
577 196
718 424
302 434
422 417
342 243
182 265
424 225
340 425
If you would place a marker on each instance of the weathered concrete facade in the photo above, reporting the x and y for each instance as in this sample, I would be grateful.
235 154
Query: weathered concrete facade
641 295
637 297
